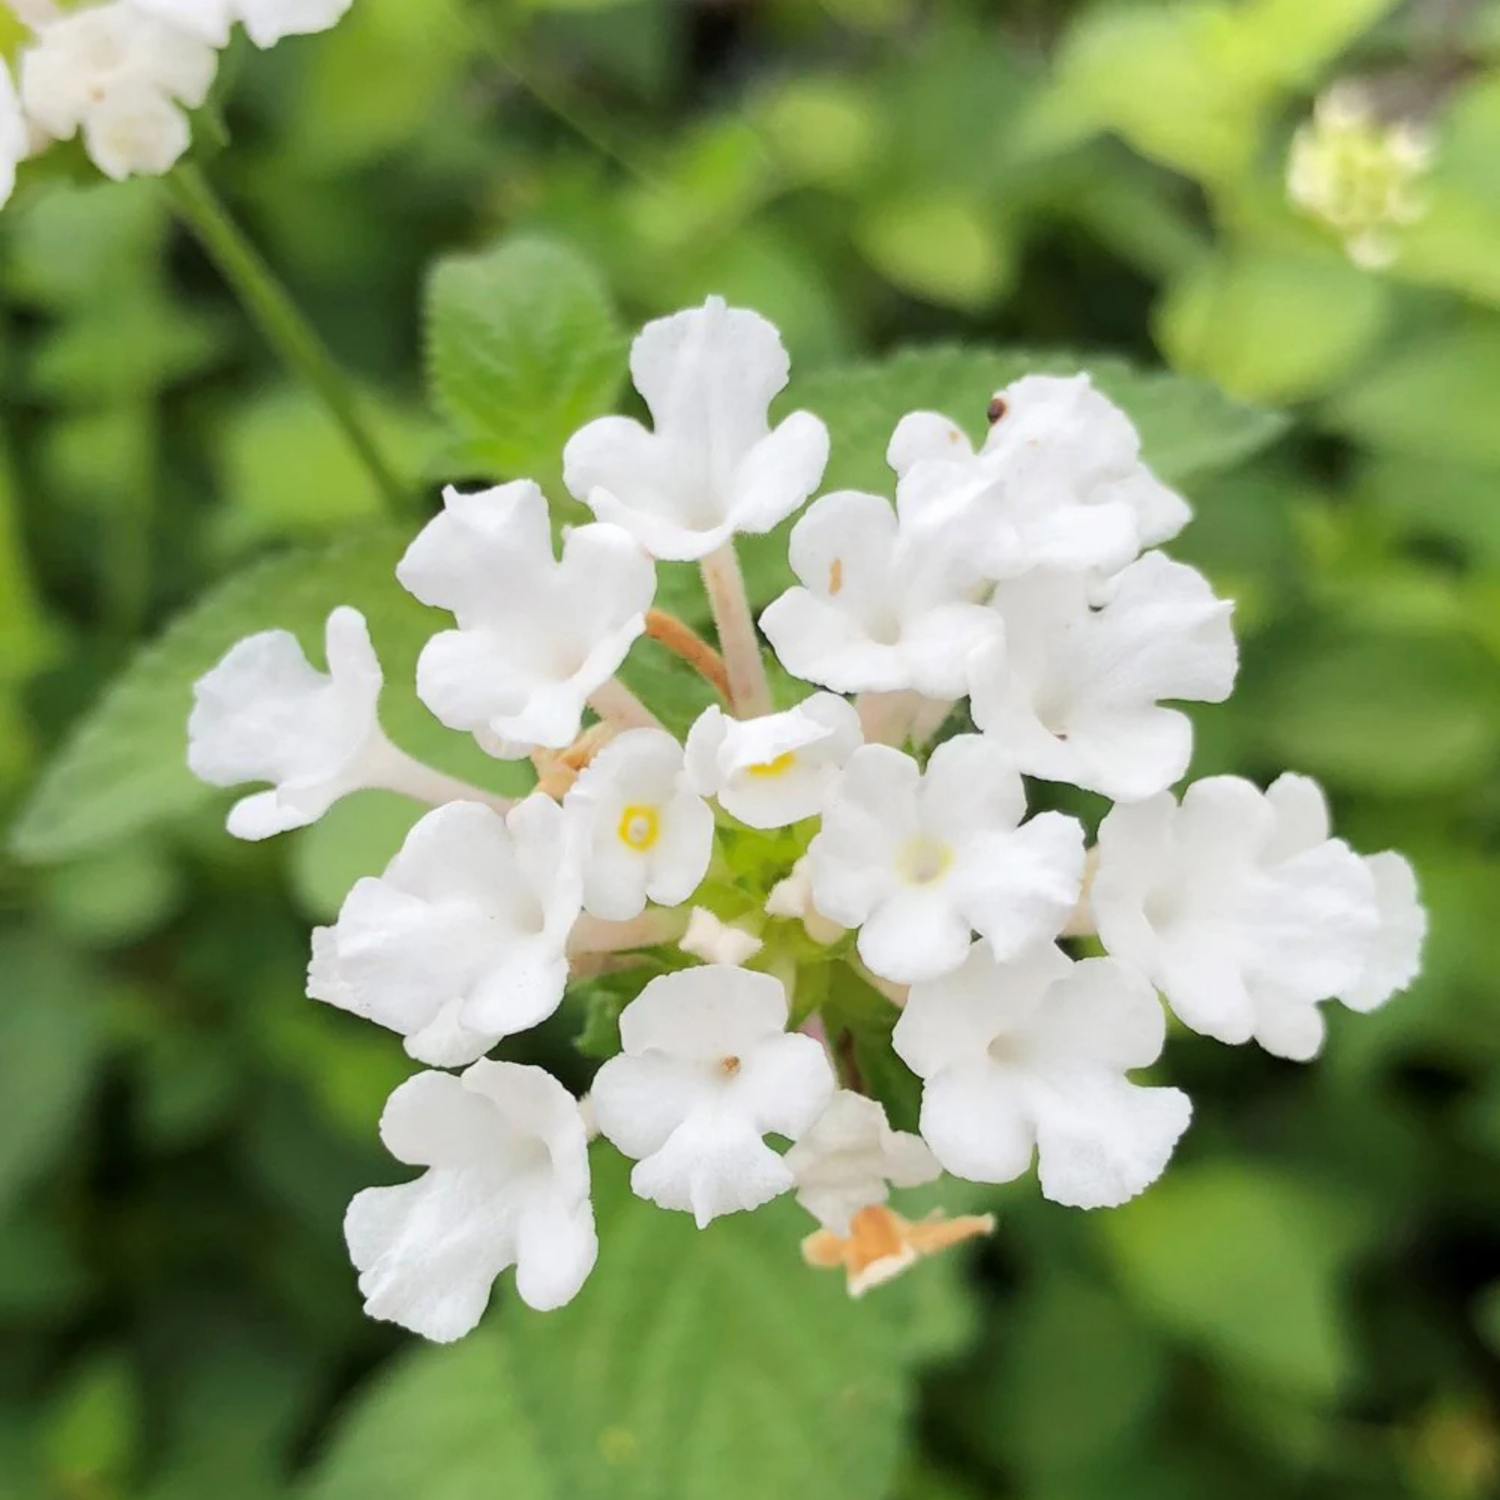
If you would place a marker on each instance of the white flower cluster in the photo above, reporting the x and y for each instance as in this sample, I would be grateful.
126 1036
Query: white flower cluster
124 73
1362 176
1019 576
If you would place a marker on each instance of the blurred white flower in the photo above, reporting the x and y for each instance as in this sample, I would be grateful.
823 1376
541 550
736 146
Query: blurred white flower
536 636
718 942
1359 175
15 135
1394 957
1030 1057
650 836
878 611
463 939
1237 911
121 76
708 1069
773 771
1073 691
919 862
265 714
851 1158
713 466
1058 484
507 1184
266 21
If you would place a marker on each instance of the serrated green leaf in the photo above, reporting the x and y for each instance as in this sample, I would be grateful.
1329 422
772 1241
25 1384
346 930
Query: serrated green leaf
523 347
445 1424
124 766
1187 428
741 1373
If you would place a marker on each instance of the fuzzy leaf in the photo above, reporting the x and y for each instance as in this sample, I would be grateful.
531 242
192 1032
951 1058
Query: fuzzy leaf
742 1373
523 347
124 768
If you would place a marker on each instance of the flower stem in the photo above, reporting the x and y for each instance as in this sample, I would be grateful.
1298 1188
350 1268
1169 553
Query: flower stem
390 769
279 319
749 692
680 639
616 703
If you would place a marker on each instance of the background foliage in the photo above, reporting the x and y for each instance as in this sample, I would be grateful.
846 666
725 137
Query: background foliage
475 200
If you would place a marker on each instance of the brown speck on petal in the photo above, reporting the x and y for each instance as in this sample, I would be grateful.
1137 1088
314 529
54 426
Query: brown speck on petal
881 1244
996 409
836 576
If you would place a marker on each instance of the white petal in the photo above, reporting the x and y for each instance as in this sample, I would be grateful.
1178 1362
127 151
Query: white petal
556 1247
704 1015
639 1101
921 436
914 934
428 1254
951 1021
1396 953
1101 1139
976 1120
712 1164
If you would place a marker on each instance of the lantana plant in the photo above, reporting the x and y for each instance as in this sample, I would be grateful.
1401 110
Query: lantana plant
1006 619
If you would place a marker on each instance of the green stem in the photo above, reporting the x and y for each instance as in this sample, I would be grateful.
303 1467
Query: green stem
279 319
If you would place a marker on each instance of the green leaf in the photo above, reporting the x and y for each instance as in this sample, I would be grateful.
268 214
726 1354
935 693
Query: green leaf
445 1424
1274 328
1246 1263
124 766
739 1373
941 247
1391 714
1073 1347
523 347
1193 85
51 1034
1434 398
859 1018
1187 427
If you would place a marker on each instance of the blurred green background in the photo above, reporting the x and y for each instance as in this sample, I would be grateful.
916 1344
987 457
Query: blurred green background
1309 1302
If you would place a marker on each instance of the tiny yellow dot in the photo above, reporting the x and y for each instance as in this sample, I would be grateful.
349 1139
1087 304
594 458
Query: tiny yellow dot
778 767
640 827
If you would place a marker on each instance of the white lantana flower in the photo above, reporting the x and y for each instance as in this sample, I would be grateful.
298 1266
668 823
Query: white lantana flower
1241 919
15 136
507 1184
851 1158
920 862
716 941
265 714
123 77
266 21
463 939
708 1069
1395 955
1058 484
773 771
1031 1056
878 611
1074 692
650 835
713 466
536 636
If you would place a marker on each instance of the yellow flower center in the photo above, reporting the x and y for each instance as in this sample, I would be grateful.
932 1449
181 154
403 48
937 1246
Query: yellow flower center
923 861
640 827
778 767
